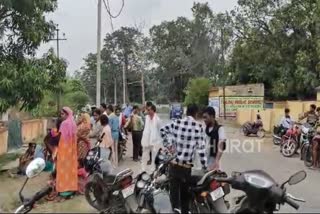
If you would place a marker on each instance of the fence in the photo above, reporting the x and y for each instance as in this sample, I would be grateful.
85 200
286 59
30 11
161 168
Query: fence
3 140
21 132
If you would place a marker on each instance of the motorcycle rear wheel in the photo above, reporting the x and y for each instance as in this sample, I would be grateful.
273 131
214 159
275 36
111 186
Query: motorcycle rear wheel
289 148
307 156
260 133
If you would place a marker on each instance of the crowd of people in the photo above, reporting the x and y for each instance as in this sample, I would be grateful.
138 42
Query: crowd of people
195 144
312 118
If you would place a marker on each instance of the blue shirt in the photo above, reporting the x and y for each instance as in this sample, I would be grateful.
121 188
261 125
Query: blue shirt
114 124
127 111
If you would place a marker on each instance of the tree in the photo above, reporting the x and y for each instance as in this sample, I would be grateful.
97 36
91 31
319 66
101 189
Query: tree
74 95
278 45
24 79
197 91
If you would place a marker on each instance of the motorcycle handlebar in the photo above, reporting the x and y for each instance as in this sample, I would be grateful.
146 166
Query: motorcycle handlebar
291 202
39 195
224 180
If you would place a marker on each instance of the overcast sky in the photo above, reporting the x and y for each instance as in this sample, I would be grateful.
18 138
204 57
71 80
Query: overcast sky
78 20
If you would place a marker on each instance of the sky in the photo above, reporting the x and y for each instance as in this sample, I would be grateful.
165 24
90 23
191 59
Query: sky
77 19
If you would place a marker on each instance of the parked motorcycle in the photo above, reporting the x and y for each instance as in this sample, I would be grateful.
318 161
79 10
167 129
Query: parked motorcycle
206 193
297 138
263 193
33 169
101 185
278 133
255 128
152 191
122 146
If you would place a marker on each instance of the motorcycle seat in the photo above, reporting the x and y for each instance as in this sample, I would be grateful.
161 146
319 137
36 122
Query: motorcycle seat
109 179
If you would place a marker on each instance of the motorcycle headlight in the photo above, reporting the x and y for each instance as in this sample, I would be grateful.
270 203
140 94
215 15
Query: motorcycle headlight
91 153
141 184
145 177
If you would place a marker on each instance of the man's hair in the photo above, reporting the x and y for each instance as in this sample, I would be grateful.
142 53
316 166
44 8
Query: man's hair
210 111
313 106
110 107
192 110
104 120
153 108
118 108
103 105
149 103
97 111
135 107
286 110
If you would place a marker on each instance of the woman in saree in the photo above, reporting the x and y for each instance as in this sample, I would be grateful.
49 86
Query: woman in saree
83 130
67 158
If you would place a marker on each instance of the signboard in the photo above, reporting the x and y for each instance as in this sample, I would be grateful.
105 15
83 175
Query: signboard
234 103
215 103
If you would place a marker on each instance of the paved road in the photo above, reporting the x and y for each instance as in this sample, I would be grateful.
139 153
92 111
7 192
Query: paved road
251 154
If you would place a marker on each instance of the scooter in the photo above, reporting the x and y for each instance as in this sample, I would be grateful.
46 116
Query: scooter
262 193
33 169
255 128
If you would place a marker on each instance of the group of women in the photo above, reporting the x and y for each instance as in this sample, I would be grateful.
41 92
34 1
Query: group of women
69 144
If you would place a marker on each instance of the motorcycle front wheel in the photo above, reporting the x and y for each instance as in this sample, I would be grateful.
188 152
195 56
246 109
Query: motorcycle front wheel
289 148
307 156
23 209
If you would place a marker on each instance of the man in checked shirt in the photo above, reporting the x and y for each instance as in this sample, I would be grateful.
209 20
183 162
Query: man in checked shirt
183 138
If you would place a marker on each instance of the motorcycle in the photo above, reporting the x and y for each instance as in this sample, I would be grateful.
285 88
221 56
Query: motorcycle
297 138
263 194
33 169
278 133
307 150
255 128
152 191
206 193
122 147
101 185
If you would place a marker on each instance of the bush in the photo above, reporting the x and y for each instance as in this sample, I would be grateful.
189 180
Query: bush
197 91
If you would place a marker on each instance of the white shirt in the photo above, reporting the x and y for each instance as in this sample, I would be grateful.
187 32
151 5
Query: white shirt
286 122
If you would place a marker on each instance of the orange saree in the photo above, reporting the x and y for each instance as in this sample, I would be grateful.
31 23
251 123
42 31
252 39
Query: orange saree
67 158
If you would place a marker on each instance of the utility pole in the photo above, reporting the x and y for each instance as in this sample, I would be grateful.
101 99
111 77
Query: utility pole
98 93
223 79
124 81
58 39
115 91
142 87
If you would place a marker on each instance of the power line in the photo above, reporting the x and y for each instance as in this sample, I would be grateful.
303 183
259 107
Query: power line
107 6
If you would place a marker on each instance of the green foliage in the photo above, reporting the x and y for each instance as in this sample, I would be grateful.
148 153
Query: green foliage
197 91
74 95
23 78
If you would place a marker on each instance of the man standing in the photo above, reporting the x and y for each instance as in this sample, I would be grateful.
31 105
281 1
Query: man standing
184 137
311 115
147 107
114 125
215 139
136 124
103 108
151 139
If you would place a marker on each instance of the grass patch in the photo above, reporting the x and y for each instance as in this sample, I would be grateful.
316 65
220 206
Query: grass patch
7 158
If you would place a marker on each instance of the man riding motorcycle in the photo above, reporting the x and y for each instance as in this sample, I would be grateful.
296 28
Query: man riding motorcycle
286 122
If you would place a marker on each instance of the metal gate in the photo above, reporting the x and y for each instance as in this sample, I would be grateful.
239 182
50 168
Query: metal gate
14 135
